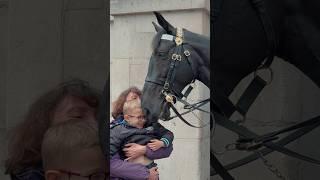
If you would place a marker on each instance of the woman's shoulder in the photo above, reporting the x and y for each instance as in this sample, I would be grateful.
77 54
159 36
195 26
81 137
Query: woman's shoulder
116 122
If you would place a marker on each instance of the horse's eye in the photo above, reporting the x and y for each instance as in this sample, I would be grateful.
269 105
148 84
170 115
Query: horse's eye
162 54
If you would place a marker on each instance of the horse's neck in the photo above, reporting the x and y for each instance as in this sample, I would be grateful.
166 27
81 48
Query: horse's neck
204 69
204 75
201 45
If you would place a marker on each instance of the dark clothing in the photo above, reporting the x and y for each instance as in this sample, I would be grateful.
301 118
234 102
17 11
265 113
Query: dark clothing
122 133
31 173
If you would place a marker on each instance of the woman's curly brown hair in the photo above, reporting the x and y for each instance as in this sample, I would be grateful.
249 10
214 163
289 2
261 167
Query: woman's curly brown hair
117 105
26 138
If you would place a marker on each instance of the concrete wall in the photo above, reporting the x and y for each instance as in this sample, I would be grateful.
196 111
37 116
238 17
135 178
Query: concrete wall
290 98
47 42
131 33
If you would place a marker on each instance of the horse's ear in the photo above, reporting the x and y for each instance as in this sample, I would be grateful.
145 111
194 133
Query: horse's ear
164 23
156 27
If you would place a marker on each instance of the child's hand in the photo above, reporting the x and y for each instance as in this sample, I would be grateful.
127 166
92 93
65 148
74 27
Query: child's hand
155 144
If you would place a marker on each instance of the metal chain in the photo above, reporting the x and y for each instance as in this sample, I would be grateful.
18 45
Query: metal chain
270 166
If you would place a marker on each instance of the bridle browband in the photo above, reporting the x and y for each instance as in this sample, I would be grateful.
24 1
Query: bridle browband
170 95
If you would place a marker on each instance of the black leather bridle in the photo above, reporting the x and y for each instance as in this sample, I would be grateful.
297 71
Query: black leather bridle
170 95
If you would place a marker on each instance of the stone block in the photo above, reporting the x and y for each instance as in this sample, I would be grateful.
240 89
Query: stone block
119 77
134 6
122 32
204 161
184 162
84 4
183 19
141 45
136 75
182 130
144 24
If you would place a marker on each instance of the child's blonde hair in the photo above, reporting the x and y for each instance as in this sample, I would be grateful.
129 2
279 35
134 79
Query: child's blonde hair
131 105
62 140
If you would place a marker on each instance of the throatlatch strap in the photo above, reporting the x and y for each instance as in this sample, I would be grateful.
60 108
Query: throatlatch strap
224 104
250 95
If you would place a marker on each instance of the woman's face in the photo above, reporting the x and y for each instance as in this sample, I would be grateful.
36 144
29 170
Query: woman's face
72 108
132 96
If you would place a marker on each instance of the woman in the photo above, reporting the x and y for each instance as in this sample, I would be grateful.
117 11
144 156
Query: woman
128 170
127 95
74 99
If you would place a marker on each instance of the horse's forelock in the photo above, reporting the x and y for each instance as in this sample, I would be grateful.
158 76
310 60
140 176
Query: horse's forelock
156 39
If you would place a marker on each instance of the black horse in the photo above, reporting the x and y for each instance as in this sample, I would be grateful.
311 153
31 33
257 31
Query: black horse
172 67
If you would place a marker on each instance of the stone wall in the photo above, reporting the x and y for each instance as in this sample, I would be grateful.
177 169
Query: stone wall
131 33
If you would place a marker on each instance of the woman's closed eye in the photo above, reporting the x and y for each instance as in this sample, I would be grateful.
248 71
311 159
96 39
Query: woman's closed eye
77 113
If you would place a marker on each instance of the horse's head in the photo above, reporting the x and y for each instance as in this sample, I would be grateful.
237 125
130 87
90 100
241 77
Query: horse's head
177 58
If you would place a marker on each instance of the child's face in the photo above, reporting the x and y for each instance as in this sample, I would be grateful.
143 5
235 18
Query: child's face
85 163
135 118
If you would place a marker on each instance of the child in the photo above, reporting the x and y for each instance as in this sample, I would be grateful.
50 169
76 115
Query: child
72 150
131 130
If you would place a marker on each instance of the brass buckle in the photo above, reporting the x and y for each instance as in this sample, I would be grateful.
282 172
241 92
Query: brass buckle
178 41
187 53
176 57
166 87
169 97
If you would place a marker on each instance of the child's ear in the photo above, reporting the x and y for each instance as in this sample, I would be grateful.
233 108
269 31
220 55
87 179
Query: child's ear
52 175
125 117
